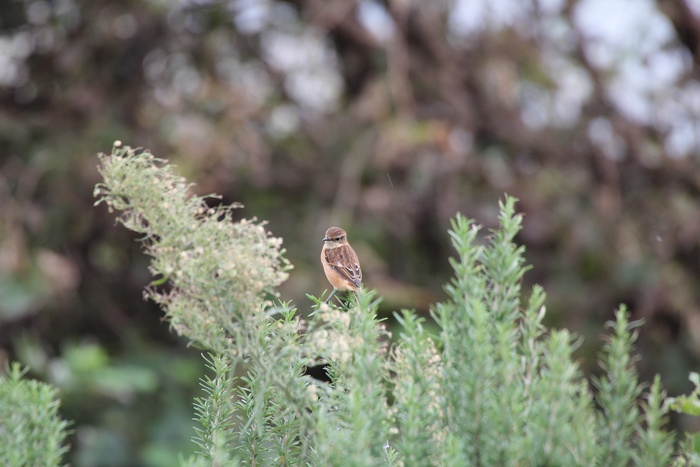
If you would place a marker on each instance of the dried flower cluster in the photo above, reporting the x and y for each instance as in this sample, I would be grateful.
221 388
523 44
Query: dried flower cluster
221 272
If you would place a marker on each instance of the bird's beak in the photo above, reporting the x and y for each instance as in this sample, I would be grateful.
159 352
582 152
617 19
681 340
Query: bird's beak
325 239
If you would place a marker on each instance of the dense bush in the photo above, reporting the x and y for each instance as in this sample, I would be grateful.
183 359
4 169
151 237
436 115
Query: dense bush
492 385
31 430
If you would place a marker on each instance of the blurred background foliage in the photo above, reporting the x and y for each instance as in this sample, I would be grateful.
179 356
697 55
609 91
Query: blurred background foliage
383 117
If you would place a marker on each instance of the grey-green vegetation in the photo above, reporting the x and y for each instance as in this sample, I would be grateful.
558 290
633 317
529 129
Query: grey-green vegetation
31 431
492 386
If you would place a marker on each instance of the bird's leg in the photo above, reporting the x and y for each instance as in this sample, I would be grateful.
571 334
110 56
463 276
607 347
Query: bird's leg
345 299
331 295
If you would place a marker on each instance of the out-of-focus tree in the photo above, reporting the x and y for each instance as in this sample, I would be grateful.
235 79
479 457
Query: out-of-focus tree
384 117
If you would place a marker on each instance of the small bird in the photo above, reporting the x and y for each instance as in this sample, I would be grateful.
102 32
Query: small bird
340 262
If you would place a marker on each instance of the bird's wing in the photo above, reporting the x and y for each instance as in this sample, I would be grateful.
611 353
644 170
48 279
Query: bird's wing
344 260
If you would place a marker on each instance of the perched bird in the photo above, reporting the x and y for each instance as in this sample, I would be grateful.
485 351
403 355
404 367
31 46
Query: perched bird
340 262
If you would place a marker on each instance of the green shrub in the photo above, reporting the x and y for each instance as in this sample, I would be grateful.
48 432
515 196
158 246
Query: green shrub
31 432
492 387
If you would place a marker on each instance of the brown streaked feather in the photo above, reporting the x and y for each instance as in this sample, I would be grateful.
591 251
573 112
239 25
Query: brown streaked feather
343 260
